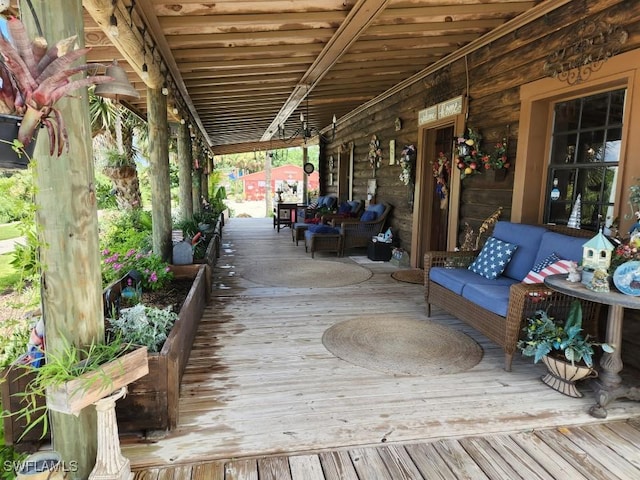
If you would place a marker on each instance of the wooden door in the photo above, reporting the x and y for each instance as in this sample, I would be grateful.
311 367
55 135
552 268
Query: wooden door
441 148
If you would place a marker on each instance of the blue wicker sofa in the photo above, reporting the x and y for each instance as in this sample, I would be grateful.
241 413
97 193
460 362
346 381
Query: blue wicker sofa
497 307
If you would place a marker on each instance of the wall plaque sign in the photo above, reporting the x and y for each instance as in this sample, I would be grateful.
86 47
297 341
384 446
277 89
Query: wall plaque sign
444 109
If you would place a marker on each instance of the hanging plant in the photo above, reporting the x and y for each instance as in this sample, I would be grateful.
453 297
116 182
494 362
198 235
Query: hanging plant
34 77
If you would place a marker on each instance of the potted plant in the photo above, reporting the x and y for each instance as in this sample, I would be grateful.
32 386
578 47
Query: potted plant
564 349
34 77
74 379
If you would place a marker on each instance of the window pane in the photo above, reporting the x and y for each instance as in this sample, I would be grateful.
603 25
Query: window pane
594 111
591 147
617 107
563 150
567 115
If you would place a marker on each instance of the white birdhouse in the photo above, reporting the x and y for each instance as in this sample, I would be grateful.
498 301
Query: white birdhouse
596 253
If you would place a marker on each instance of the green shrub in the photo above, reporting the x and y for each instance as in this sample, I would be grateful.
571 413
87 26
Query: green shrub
154 272
124 231
142 325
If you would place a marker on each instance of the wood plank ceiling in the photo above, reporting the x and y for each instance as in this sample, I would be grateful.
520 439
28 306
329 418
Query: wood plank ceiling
239 69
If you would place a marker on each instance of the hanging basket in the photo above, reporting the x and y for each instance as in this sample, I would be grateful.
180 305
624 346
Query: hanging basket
9 158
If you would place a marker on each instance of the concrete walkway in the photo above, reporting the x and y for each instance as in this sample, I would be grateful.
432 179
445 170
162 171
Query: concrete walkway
7 246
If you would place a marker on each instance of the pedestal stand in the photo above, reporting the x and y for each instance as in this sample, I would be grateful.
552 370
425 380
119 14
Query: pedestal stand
110 464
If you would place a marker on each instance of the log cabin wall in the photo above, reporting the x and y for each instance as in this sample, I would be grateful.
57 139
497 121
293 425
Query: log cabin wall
495 73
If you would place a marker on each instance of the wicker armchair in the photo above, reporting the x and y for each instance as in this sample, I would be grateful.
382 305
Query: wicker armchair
524 301
356 233
356 210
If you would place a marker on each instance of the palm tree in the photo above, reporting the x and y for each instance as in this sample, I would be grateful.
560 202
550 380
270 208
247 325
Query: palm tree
113 129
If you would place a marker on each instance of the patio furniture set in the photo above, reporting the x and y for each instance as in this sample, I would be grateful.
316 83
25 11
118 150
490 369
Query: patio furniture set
348 226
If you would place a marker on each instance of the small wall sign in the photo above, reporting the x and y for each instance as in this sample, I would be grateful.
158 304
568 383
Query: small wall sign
444 109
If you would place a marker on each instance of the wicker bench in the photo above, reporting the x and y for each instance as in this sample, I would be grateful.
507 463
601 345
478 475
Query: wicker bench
500 306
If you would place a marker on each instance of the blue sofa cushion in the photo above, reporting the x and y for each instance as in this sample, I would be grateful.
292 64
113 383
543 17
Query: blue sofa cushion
493 258
493 297
344 208
378 208
455 278
564 246
320 228
528 239
354 205
368 216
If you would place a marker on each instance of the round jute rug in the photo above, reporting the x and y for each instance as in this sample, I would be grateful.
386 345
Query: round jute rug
306 274
402 346
415 275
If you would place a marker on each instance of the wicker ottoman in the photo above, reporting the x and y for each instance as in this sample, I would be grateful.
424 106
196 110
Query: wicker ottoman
297 231
322 242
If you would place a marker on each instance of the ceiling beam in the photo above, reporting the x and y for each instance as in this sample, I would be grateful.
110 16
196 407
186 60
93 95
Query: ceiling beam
359 18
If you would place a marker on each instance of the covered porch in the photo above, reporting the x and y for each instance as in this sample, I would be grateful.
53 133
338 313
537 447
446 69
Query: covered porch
263 398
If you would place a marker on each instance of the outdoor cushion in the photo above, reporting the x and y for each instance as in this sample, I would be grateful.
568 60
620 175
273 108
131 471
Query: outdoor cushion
321 228
368 216
555 268
494 298
527 238
378 208
493 258
354 206
566 247
456 278
344 208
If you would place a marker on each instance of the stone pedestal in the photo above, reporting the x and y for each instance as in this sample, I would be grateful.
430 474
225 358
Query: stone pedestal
110 464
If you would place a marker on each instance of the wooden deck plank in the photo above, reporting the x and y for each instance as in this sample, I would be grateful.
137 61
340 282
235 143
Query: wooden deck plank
399 463
429 462
242 469
369 464
547 457
306 467
587 465
615 464
459 460
621 437
492 464
148 474
274 468
208 471
337 465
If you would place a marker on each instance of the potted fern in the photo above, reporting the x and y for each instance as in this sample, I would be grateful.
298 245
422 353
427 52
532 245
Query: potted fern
34 77
565 350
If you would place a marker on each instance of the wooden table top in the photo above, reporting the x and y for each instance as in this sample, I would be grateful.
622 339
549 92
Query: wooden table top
579 290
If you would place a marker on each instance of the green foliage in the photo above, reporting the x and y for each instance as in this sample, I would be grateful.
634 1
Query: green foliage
9 456
9 231
13 341
26 259
142 325
543 336
9 276
116 159
16 193
104 193
123 231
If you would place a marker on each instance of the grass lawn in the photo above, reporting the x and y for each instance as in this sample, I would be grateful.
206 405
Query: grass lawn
9 230
8 274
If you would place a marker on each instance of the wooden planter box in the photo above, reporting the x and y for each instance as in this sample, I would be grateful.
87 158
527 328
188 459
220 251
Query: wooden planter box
152 401
73 396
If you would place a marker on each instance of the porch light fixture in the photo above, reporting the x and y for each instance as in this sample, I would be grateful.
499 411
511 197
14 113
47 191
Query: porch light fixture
306 130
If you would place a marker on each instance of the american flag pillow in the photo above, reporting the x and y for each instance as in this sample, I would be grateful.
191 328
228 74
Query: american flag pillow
551 265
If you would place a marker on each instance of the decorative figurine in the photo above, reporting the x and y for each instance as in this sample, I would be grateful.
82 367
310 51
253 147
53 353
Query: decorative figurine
600 281
574 275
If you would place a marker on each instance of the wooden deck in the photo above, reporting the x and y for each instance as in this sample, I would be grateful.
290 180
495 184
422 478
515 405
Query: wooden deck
262 398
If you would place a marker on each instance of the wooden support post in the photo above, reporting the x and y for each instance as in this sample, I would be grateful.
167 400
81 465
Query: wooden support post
185 163
67 222
159 179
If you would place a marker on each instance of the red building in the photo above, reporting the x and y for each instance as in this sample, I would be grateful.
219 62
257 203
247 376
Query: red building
287 178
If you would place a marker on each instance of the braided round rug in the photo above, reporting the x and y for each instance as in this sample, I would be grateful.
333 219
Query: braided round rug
402 346
306 274
415 275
